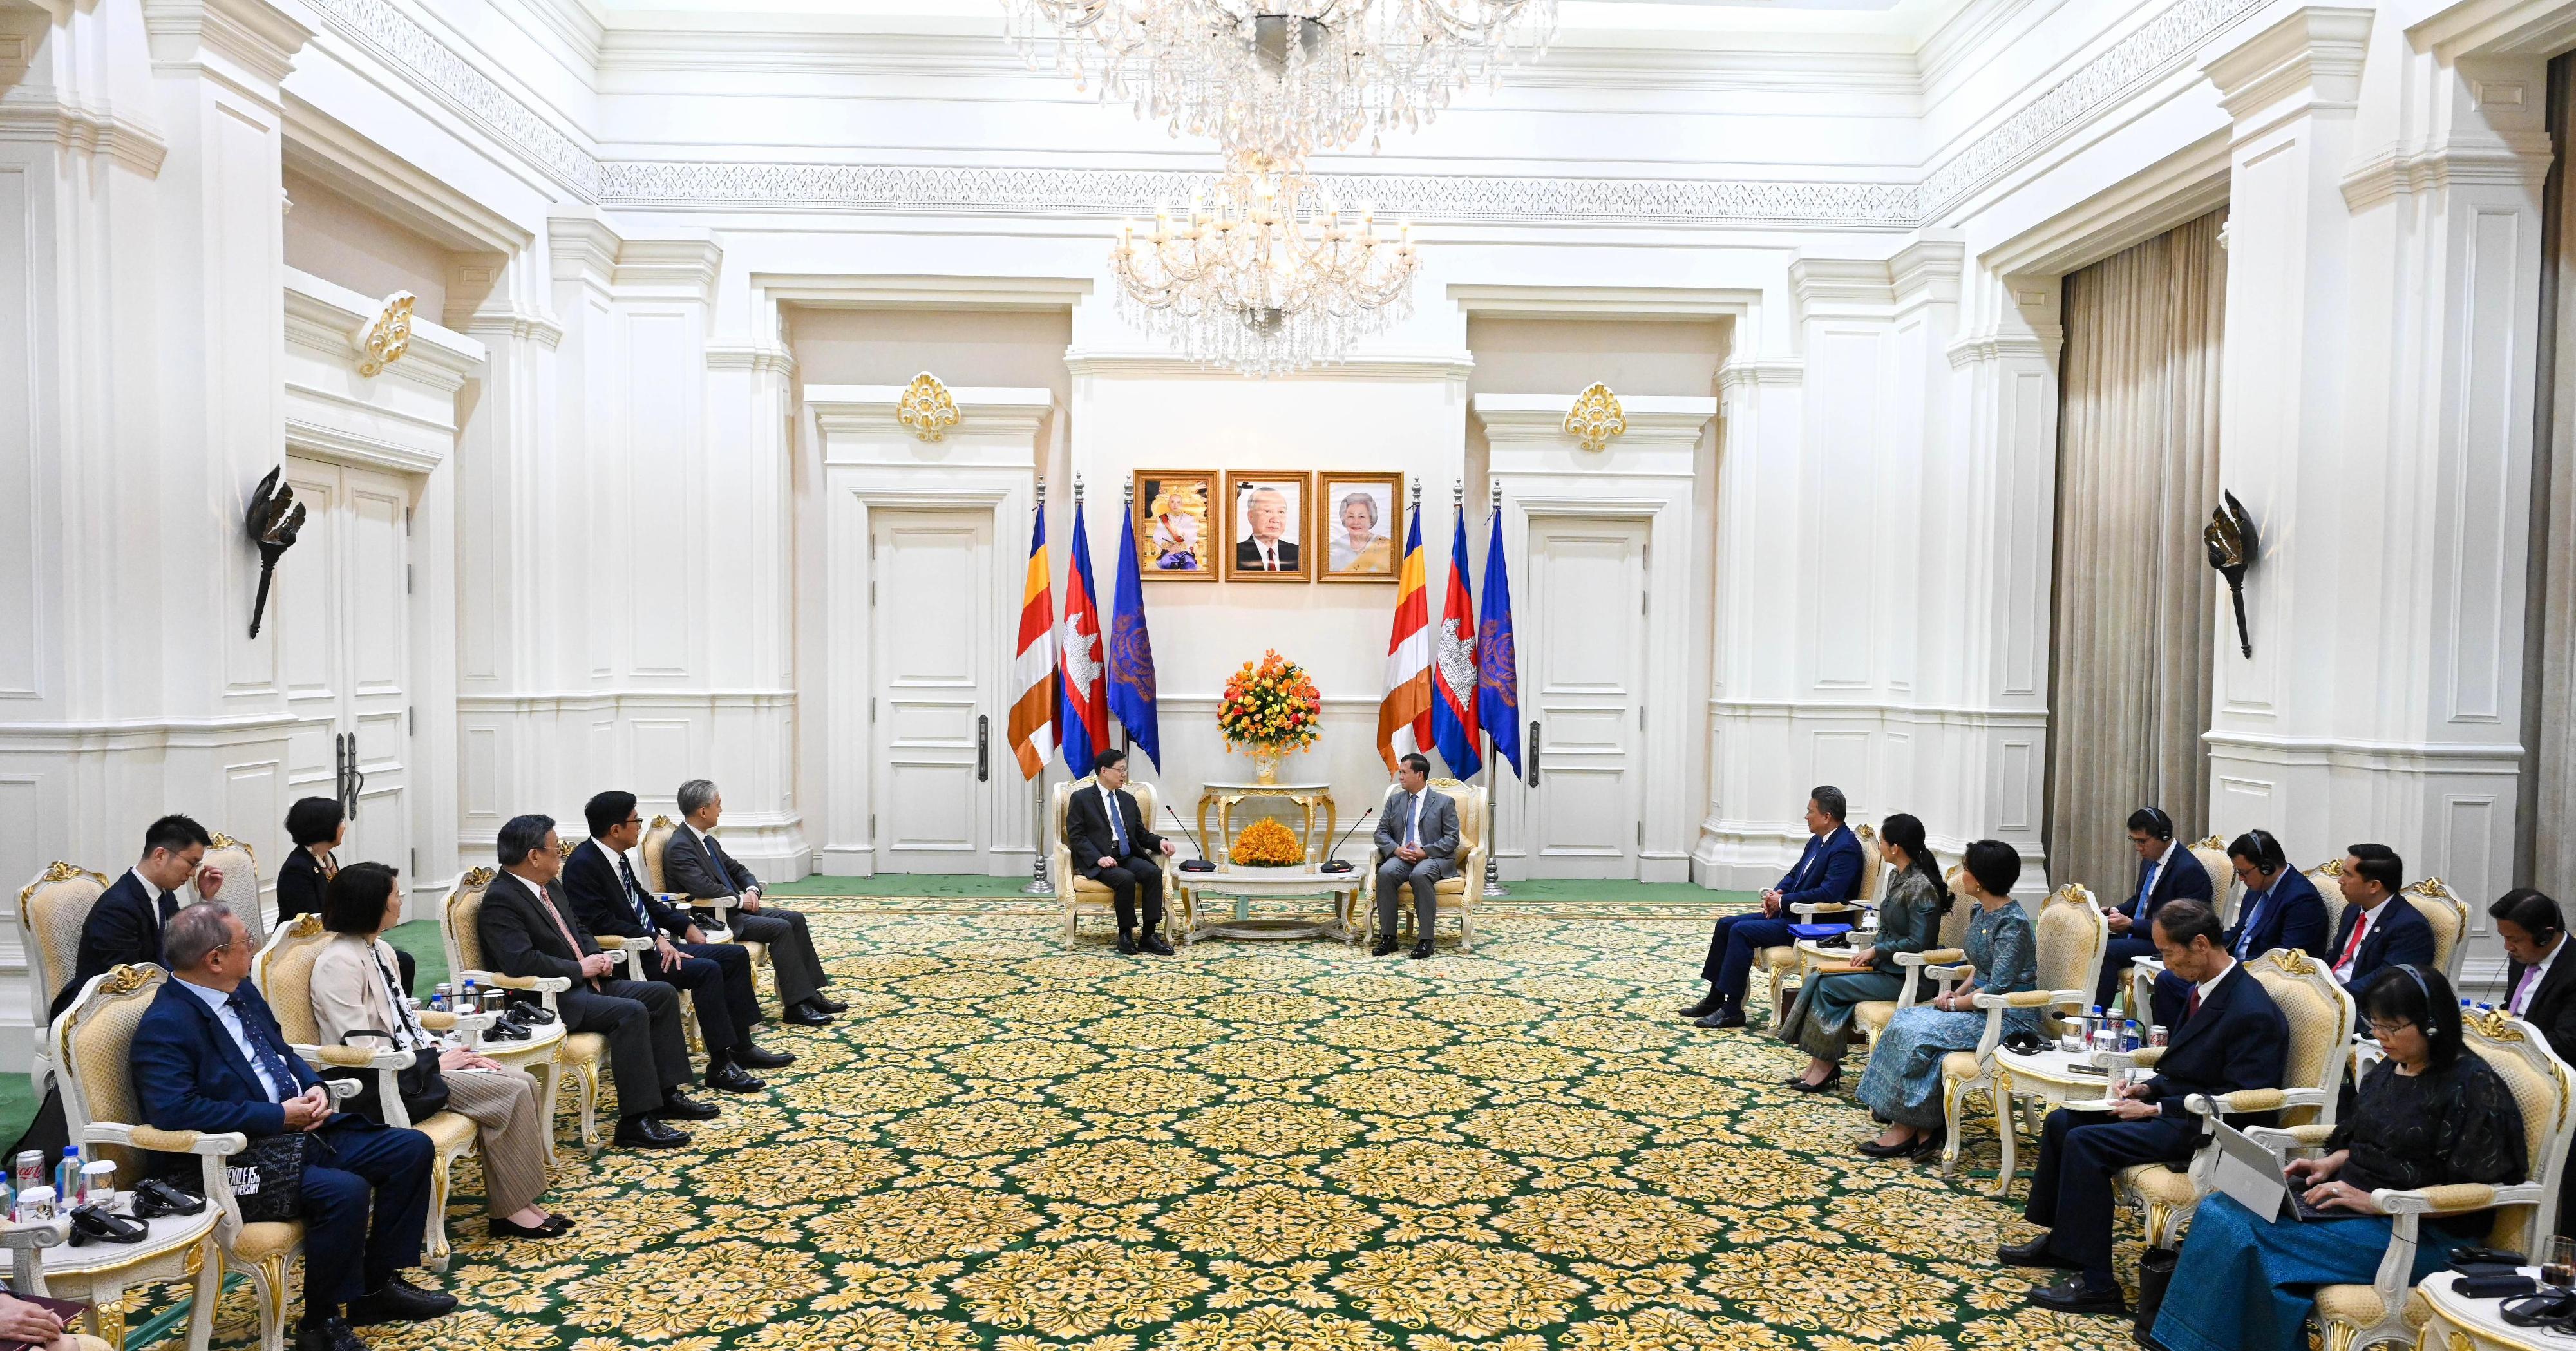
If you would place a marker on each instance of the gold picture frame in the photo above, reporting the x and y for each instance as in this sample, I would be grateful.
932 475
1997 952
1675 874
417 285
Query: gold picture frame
1249 492
1337 559
1170 505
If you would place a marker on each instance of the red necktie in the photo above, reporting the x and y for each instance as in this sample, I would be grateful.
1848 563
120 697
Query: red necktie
2360 926
2192 1005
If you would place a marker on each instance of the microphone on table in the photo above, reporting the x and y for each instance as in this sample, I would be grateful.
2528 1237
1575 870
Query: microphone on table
1190 865
1343 865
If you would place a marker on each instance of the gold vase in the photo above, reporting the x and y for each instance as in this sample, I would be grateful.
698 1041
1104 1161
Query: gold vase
1265 766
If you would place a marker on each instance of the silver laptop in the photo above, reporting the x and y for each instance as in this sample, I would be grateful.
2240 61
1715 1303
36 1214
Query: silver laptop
2259 1181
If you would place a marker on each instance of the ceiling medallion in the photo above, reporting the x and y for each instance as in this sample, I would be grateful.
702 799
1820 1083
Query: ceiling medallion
1270 276
1595 417
926 408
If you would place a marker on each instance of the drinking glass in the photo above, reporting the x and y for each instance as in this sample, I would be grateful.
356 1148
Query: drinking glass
2558 1262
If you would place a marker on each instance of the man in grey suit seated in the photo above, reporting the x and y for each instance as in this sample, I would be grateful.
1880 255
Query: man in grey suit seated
1417 844
694 864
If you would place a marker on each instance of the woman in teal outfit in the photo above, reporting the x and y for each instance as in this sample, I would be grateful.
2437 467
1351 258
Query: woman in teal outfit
1909 920
1903 1085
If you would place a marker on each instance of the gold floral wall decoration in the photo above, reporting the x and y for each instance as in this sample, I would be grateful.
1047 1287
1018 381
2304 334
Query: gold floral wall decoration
383 342
927 408
1595 417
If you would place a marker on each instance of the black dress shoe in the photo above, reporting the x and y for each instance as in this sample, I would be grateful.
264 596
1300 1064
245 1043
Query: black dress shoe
1127 944
1728 1016
2035 1253
828 1005
732 1078
559 1223
754 1058
1154 944
1420 950
1704 1007
501 1228
2071 1295
1875 1150
686 1108
805 1015
643 1132
399 1301
331 1334
1928 1146
1799 1082
1383 948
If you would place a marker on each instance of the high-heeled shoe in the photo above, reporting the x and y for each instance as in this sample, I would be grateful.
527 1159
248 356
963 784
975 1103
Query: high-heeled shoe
1832 1077
1875 1150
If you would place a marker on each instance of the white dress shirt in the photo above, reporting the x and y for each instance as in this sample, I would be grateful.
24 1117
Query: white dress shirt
2206 987
1117 828
221 1002
2353 942
154 894
2529 986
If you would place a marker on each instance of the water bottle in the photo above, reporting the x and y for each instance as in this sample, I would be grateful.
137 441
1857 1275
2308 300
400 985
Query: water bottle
2130 1040
67 1172
470 1001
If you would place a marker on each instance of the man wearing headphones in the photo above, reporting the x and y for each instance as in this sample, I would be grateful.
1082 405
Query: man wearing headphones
2281 909
2166 872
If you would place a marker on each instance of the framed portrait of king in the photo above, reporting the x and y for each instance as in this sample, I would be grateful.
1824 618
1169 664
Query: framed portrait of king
1173 512
1357 517
1266 525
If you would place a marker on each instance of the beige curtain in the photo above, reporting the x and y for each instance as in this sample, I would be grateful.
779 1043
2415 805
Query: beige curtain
2137 603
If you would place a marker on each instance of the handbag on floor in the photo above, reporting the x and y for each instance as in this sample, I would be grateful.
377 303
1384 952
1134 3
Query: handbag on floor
2155 1272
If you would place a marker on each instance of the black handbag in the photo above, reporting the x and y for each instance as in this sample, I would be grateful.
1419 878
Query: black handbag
422 1085
268 1178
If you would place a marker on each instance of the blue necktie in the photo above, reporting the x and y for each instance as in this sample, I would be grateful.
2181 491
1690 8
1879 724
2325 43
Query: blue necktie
272 1057
635 894
1117 836
2253 917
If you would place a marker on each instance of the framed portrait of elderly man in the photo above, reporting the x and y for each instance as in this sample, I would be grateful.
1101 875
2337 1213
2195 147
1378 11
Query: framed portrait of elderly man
1356 520
1266 516
1172 511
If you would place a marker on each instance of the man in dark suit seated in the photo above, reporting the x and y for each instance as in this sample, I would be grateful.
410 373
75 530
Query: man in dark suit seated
2540 989
2231 1037
1113 848
2166 872
694 863
2281 909
124 927
2379 929
528 930
1827 873
209 1057
607 899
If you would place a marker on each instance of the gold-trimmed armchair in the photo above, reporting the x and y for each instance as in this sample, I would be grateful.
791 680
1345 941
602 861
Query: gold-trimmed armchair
548 1048
2355 1317
1076 893
52 909
1457 893
2327 877
2224 891
2319 1010
1780 961
241 883
1946 965
283 971
2072 938
2449 916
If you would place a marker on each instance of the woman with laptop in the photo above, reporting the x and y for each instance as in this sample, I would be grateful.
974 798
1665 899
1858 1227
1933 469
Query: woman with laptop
2430 1114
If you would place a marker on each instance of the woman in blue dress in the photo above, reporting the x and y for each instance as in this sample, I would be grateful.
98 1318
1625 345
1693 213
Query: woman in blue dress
1903 1085
1909 921
2431 1114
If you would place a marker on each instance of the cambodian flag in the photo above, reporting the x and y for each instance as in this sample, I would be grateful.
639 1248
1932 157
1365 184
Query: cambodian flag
1453 706
1082 711
1498 666
1131 654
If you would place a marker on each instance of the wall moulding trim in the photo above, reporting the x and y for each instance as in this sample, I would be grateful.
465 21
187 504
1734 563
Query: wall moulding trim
1453 366
86 131
586 701
2432 757
1960 714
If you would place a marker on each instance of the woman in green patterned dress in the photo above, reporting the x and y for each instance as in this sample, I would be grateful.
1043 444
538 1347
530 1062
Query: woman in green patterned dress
1909 920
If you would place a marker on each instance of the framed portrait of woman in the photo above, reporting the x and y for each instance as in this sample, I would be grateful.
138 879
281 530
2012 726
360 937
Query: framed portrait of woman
1171 507
1266 520
1357 517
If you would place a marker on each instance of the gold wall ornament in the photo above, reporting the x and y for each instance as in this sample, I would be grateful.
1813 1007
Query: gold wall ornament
927 408
2233 545
1595 417
383 342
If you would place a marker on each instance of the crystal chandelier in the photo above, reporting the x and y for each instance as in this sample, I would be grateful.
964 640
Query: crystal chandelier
1269 277
1284 78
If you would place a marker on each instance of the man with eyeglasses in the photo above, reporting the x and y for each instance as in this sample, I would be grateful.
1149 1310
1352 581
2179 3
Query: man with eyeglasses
2281 909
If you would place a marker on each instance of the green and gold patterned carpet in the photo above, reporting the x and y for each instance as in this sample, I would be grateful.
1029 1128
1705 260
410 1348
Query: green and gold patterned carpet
1260 1147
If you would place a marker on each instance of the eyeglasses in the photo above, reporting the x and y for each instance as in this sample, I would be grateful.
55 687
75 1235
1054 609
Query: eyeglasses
2380 1031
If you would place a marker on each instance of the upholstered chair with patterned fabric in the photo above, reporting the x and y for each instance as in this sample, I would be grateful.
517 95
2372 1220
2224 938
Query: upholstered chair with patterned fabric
2320 1014
1076 893
241 883
1946 965
93 1043
51 910
2449 916
548 1049
1780 961
2354 1317
656 842
283 971
2072 939
2328 879
2224 890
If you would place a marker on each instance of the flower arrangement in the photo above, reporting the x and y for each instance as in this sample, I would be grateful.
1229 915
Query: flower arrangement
1267 844
1271 706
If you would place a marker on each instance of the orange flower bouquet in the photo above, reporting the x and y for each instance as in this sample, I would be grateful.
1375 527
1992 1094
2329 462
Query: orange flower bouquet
1267 844
1270 708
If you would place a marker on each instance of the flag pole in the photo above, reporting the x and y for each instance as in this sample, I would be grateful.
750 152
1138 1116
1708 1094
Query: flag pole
1493 832
1038 883
1127 506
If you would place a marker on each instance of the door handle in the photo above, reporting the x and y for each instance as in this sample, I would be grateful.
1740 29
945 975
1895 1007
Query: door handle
350 779
983 748
1533 753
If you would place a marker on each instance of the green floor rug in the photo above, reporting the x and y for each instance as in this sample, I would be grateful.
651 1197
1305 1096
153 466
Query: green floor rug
1008 1146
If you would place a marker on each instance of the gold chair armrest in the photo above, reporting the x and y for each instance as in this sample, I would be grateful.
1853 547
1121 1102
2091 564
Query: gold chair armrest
2244 1100
2019 999
1940 955
2284 1138
352 1057
214 1144
621 943
2145 1057
1948 975
436 1020
2452 1198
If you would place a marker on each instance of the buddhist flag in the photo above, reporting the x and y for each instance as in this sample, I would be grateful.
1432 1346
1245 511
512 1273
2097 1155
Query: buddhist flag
1131 654
1453 709
1081 709
1498 677
1404 716
1033 670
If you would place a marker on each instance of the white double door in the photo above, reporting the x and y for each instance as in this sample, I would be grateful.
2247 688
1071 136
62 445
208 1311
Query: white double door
342 607
937 717
1581 639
